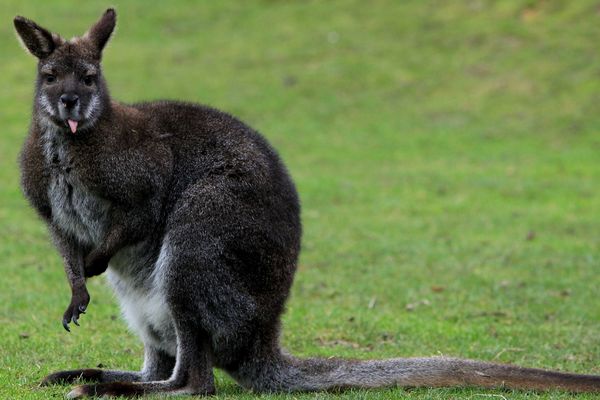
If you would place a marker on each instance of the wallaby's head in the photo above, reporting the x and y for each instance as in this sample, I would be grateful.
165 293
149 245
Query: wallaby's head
70 90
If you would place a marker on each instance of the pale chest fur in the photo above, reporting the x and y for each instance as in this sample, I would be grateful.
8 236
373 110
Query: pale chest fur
74 209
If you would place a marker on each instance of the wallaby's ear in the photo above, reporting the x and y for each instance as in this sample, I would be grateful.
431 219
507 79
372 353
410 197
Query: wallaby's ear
101 31
39 41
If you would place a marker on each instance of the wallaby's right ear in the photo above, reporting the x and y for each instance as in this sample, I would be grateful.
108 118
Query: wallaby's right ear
36 39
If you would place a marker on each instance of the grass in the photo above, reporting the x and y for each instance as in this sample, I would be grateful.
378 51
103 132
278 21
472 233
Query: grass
447 155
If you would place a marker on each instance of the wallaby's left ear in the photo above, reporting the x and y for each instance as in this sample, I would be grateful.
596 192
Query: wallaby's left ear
39 41
101 31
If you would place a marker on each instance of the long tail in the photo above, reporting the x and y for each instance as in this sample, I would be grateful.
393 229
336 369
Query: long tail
289 374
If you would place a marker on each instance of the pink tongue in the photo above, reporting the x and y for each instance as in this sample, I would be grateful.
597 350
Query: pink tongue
72 125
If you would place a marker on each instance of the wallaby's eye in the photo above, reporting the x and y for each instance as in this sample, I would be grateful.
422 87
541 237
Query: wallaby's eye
49 78
88 80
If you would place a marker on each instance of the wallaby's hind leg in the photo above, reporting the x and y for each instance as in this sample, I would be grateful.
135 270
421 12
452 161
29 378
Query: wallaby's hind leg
157 366
90 374
192 373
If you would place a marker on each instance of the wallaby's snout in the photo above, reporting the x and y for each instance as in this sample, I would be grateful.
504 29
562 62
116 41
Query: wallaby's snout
69 100
70 93
69 110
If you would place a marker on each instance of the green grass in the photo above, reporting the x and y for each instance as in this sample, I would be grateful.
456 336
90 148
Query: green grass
447 155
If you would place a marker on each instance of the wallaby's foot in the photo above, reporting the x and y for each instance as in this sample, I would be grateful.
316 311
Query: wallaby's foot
96 263
107 389
62 377
127 389
79 302
90 375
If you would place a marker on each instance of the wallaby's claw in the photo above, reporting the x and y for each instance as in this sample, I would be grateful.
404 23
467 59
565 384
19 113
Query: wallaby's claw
79 302
79 392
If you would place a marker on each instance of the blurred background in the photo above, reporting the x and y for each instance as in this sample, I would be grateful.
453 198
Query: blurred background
447 155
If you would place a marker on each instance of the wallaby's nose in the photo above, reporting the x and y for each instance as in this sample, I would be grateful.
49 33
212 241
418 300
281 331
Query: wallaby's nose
69 100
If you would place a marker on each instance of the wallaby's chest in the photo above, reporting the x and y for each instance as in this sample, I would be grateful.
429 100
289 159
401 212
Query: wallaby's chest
74 208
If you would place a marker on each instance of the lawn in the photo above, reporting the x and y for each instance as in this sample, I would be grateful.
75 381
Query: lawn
447 155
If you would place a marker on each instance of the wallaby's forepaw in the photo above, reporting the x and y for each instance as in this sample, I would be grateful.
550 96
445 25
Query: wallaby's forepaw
62 377
95 264
79 302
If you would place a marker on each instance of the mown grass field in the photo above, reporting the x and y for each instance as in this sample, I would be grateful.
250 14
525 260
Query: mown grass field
447 155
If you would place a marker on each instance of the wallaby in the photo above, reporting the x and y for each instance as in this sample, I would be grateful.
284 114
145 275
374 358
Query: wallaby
197 221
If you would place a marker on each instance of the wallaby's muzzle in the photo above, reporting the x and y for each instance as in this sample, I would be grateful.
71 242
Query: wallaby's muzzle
69 100
69 110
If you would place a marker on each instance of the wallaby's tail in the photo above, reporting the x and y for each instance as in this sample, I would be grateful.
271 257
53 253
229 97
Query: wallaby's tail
290 374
